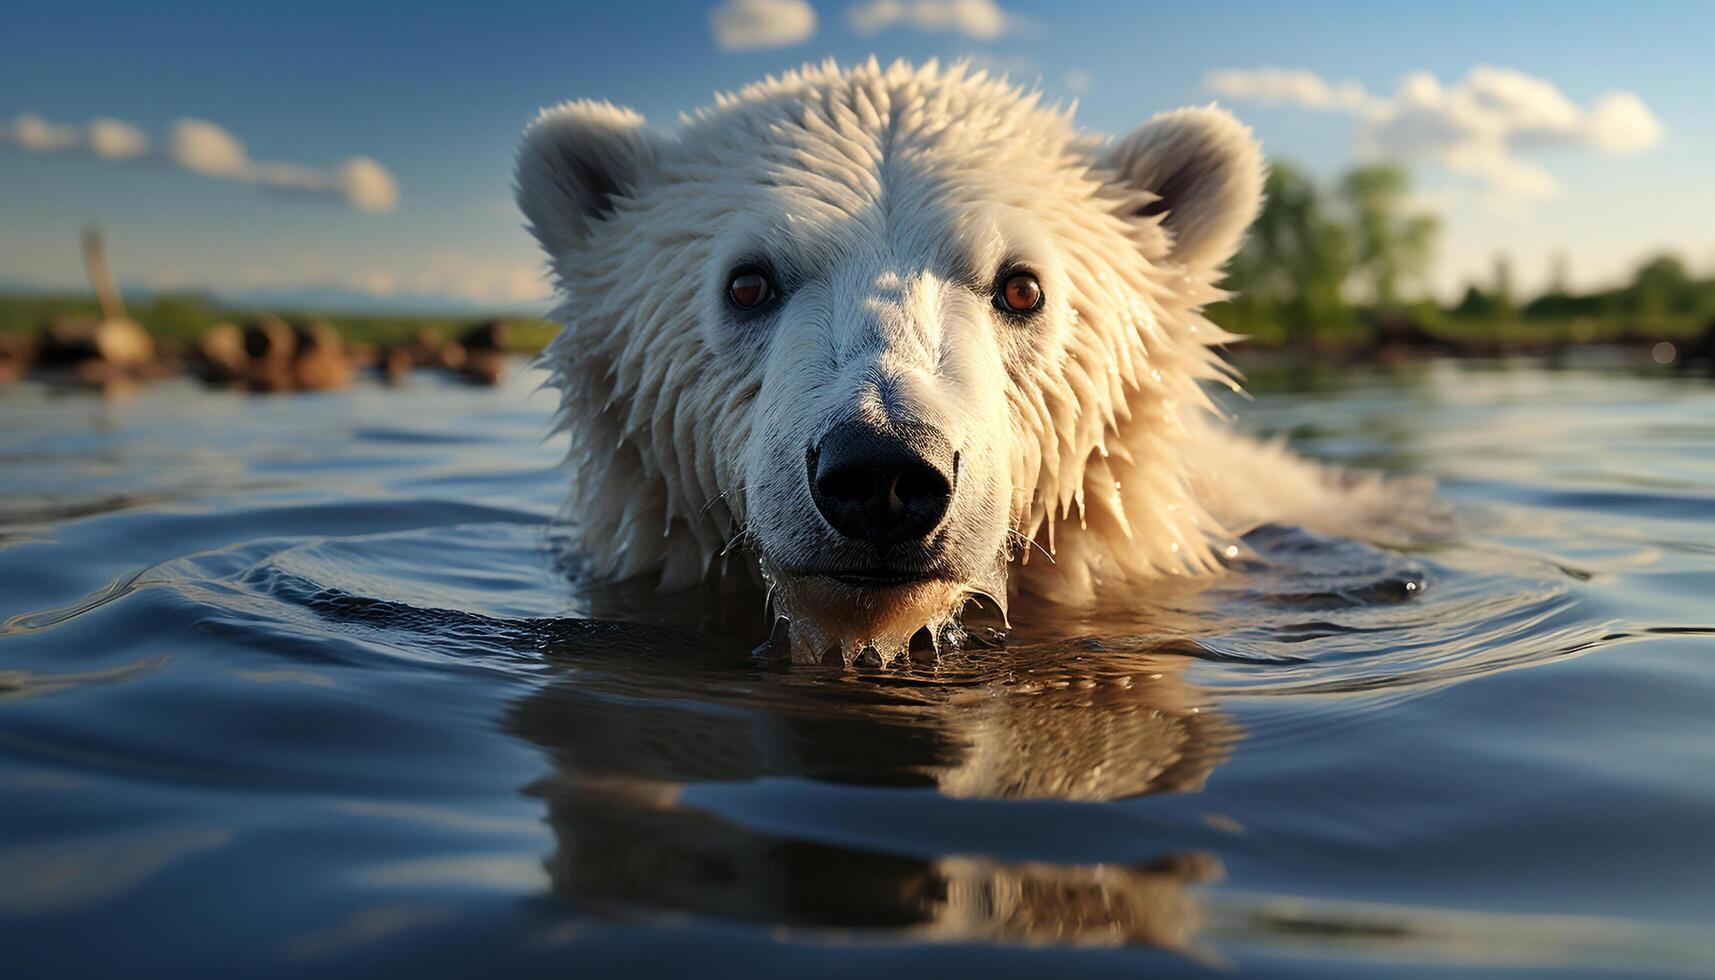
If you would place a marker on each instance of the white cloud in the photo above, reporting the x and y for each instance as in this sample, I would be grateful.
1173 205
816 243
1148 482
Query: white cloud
367 185
749 25
205 148
980 19
1286 86
1480 127
1076 82
112 139
360 182
37 135
1620 123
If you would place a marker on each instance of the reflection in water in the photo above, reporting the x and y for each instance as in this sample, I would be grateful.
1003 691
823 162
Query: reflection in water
641 717
36 879
363 928
27 684
631 730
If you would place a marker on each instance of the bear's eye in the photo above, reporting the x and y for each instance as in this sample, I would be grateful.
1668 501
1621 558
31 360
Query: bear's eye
1019 292
749 288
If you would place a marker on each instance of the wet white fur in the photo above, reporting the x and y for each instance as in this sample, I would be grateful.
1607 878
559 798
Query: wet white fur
887 197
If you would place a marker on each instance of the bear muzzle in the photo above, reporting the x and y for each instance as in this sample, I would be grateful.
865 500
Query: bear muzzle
886 484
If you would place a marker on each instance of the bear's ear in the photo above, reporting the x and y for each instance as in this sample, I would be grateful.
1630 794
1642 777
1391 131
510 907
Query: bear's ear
574 159
1206 173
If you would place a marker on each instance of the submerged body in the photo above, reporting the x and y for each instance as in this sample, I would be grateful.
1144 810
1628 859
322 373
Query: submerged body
890 331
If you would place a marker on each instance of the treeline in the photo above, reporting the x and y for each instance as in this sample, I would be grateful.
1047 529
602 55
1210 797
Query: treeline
1347 265
1661 289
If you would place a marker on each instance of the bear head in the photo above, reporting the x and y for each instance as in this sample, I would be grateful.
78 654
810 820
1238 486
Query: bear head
886 329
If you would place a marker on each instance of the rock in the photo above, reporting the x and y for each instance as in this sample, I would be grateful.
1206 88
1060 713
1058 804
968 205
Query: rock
124 344
16 355
479 355
271 376
425 347
269 340
453 356
120 343
112 355
321 362
66 340
271 345
397 360
269 355
363 355
493 335
484 367
220 354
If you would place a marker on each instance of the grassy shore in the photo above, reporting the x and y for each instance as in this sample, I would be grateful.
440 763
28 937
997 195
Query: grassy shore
1361 330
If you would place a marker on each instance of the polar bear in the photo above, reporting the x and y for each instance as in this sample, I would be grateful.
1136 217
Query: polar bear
899 338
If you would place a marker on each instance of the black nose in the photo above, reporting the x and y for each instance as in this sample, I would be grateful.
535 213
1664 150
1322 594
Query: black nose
883 485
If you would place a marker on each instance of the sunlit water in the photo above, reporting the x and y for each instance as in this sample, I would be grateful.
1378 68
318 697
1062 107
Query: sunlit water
299 685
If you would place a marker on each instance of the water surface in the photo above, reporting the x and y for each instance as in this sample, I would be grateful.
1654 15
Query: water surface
301 685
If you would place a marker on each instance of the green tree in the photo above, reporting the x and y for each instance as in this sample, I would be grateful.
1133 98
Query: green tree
1475 304
1662 286
1295 261
1389 246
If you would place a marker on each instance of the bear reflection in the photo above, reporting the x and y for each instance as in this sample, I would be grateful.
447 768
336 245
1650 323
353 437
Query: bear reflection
644 715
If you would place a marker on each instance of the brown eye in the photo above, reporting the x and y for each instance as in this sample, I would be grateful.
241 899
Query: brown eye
1021 293
749 289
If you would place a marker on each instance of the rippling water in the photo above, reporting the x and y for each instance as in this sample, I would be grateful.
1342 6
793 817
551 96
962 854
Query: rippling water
294 685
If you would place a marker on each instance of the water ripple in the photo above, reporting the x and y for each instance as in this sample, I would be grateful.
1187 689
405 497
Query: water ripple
309 674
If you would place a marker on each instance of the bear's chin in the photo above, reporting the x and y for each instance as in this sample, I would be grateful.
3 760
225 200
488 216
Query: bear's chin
824 614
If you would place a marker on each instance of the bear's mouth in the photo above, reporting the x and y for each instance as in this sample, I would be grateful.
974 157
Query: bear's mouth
855 603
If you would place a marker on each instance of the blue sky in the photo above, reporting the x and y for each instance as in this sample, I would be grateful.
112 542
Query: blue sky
436 93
